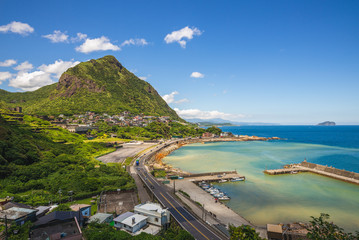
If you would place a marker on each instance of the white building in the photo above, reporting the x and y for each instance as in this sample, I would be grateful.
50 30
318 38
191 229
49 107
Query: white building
156 215
130 221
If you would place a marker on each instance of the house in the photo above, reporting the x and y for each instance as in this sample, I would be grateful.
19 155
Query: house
84 208
130 221
9 205
41 211
59 216
64 230
18 215
274 231
207 135
102 218
156 215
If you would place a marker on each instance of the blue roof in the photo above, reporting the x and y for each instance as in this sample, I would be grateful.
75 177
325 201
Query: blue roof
122 217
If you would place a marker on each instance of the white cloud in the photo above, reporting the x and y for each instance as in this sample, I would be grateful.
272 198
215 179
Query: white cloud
4 76
31 81
170 98
143 78
23 67
197 75
136 41
17 27
97 44
79 37
58 67
181 35
196 113
47 74
57 36
7 63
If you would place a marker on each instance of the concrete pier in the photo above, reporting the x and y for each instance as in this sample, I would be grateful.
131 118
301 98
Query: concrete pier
305 166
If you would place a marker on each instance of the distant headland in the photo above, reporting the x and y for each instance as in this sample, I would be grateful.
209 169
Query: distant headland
327 123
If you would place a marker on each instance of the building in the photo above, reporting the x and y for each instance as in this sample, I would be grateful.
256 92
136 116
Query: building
101 218
59 216
42 210
207 135
18 215
84 208
9 205
68 229
156 215
130 221
274 231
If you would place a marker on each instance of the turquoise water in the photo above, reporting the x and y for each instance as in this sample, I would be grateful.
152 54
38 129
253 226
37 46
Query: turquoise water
278 199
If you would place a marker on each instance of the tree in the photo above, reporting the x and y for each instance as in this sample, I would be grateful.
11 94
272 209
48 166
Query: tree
243 232
61 207
321 229
215 130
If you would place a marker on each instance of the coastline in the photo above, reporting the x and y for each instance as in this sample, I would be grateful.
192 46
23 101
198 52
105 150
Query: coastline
157 163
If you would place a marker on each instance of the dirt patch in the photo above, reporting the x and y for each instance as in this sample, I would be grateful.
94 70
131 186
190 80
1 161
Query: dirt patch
118 202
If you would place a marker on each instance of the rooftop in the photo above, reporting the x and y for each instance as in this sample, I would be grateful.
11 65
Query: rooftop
274 228
15 213
127 218
77 207
100 217
154 207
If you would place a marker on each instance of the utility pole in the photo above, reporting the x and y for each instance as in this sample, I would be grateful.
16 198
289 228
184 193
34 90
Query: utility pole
174 186
5 227
203 214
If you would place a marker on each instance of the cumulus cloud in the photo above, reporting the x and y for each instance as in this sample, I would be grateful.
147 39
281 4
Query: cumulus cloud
182 36
170 98
196 113
97 44
197 75
7 63
17 27
4 76
47 74
31 81
58 67
135 41
23 67
57 36
79 37
143 78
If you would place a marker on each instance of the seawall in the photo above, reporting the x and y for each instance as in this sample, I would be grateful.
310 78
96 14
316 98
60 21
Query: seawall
343 175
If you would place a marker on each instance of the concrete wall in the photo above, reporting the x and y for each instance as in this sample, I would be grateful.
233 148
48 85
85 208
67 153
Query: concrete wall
332 170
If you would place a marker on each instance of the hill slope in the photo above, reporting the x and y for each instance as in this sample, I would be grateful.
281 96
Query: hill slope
102 86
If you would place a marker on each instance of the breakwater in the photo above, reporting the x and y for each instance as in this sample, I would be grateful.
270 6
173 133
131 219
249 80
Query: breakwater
305 166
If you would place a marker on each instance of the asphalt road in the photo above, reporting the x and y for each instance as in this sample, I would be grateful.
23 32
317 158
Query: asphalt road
126 151
196 228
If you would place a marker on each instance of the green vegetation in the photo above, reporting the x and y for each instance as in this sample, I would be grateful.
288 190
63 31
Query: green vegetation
215 130
243 232
184 193
62 207
40 164
128 161
321 229
101 86
159 173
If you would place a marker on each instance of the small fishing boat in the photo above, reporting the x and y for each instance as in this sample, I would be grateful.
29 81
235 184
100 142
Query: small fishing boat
222 180
224 198
237 179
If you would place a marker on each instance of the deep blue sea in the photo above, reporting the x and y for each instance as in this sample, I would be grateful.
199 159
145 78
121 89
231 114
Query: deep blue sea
337 136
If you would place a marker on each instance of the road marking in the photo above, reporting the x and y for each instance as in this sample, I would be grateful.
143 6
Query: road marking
184 217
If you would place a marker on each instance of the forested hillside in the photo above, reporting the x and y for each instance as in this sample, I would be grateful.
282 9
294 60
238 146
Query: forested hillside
34 166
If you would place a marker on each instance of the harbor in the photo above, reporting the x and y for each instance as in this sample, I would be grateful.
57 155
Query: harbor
305 166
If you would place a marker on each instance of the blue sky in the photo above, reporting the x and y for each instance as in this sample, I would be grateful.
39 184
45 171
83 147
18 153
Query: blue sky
288 62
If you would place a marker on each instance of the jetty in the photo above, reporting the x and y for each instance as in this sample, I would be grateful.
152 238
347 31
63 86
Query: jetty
213 176
343 175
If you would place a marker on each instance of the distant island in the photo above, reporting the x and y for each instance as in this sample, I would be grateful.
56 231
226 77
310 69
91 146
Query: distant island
327 123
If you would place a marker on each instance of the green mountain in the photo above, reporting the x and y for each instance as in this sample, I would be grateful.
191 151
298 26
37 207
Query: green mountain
102 86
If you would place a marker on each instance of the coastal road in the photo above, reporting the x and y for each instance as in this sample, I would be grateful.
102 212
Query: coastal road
120 155
195 227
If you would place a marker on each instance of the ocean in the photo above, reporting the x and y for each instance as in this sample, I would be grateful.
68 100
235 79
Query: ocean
284 198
